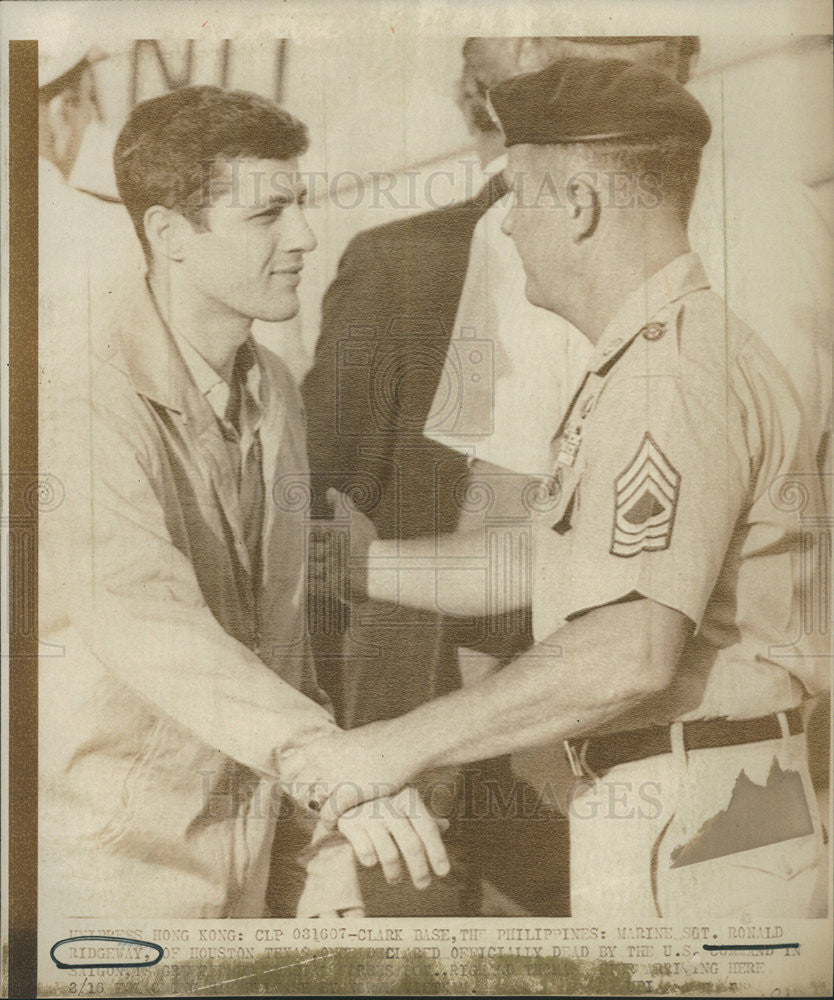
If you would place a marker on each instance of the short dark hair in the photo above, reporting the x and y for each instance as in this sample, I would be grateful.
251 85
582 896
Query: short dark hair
170 148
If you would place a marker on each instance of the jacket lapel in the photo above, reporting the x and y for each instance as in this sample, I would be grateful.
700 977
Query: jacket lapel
273 429
159 373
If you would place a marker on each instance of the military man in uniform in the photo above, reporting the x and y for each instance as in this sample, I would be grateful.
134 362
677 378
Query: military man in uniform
671 576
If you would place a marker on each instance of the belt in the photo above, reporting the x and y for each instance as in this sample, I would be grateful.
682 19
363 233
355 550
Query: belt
595 757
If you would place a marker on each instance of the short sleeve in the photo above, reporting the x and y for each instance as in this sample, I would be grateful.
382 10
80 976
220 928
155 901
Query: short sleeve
663 473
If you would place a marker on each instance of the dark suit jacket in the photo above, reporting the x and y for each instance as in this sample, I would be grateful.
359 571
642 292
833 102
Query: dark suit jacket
386 324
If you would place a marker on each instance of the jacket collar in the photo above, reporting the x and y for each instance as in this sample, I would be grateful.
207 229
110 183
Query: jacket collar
148 353
155 364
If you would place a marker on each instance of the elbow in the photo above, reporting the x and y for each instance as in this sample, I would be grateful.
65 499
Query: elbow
641 680
652 659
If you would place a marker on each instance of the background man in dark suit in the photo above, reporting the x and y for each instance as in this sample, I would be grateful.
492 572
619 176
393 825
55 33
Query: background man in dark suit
386 324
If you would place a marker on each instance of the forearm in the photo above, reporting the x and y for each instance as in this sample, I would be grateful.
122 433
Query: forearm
590 672
210 684
468 574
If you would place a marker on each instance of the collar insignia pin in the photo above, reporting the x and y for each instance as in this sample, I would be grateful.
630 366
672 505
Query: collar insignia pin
653 331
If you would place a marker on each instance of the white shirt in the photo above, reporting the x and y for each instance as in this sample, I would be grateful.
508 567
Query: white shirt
217 391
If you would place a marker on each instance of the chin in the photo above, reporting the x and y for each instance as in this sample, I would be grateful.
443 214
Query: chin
278 313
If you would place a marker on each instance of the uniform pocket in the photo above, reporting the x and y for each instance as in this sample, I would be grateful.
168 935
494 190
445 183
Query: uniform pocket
776 880
784 861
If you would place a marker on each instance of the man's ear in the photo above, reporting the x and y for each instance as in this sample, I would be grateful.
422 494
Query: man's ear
585 206
166 231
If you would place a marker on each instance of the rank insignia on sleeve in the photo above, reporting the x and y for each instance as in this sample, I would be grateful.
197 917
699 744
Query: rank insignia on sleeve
645 499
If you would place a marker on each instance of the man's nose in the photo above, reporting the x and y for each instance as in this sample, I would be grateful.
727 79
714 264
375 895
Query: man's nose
507 221
299 236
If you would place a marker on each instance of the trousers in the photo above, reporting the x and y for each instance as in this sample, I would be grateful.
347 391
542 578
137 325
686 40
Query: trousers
730 832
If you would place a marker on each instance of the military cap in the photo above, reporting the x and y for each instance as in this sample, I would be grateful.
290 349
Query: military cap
597 100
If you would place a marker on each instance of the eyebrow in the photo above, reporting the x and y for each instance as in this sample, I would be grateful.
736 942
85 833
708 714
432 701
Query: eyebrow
279 200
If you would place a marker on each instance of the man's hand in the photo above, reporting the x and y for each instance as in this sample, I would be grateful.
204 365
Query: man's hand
383 829
337 557
335 773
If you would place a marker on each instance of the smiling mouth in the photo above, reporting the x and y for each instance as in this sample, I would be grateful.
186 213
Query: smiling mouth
293 274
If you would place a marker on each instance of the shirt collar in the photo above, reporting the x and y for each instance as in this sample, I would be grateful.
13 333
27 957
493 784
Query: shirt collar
212 385
682 275
207 380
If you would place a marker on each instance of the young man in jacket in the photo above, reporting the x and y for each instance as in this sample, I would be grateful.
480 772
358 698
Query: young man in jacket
182 670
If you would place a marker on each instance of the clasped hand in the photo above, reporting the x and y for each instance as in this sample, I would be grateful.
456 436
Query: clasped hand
356 780
392 828
384 831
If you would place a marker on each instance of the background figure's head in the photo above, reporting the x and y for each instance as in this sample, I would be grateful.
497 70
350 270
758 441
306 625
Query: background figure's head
490 61
210 179
67 102
604 157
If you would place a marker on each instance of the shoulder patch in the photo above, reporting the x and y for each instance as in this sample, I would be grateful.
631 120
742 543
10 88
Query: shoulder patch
645 501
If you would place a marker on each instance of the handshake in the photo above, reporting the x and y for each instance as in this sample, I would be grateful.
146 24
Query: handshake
355 781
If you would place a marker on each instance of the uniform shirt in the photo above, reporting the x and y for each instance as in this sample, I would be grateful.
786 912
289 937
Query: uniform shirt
685 474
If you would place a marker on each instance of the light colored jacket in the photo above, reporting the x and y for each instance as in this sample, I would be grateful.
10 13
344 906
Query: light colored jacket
163 710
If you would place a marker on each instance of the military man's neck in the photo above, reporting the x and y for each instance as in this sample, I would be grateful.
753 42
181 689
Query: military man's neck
606 288
214 331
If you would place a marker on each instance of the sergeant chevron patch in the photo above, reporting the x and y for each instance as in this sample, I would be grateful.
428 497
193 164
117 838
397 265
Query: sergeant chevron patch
645 501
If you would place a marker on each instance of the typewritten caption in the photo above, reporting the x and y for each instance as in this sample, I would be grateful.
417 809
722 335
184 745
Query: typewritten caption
527 955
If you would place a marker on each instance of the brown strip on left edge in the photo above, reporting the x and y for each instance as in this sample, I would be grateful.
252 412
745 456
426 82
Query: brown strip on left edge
23 518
